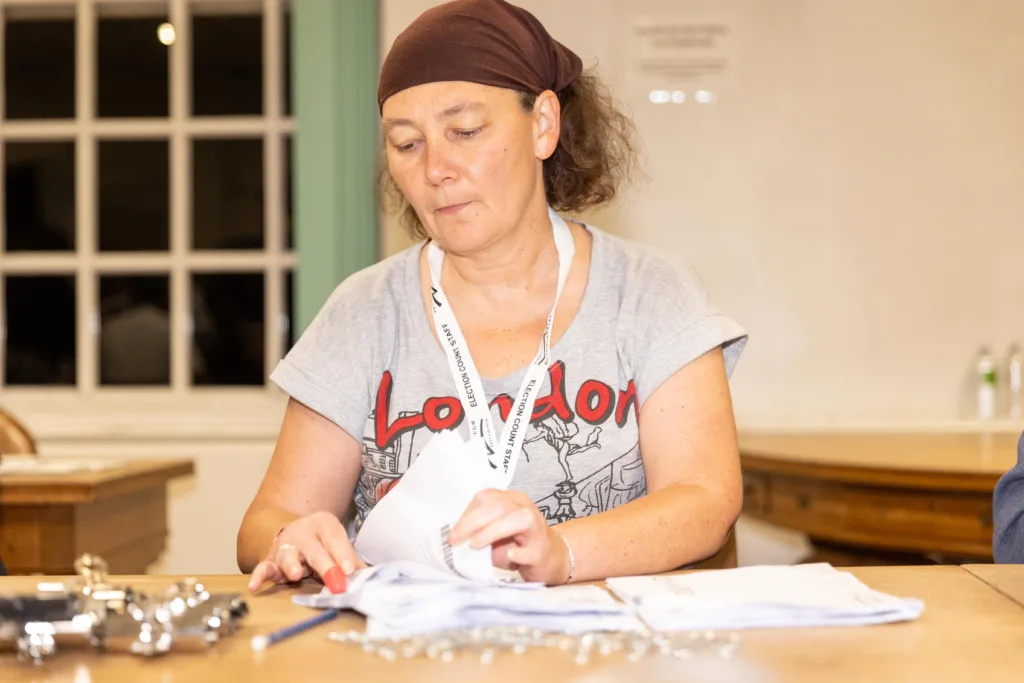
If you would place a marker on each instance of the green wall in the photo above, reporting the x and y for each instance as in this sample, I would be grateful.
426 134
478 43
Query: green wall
335 70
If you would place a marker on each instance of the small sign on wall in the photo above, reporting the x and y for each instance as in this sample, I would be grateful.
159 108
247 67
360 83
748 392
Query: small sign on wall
689 57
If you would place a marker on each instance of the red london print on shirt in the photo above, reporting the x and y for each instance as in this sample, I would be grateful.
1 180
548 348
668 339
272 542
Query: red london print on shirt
568 428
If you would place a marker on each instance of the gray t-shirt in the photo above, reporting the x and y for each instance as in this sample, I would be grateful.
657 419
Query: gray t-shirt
369 362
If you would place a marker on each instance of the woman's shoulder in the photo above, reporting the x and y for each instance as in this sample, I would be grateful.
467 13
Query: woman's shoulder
664 312
378 287
642 269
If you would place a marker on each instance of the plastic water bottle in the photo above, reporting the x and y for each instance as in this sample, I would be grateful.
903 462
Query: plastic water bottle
986 384
1014 372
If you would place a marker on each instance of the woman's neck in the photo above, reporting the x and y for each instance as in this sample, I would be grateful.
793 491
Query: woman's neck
521 262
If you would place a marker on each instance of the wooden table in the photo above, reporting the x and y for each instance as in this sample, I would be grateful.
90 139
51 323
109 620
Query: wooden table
969 631
1008 579
864 498
49 520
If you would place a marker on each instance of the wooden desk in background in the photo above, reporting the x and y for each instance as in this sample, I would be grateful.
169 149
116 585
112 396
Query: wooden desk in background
863 498
969 631
49 520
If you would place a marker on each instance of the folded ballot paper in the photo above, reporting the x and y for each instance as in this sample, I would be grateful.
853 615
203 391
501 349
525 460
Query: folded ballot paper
760 597
411 523
403 599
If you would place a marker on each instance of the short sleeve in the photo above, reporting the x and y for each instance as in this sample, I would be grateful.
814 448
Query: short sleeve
329 369
675 323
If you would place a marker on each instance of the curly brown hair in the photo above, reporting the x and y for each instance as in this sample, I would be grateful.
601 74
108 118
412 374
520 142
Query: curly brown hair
596 154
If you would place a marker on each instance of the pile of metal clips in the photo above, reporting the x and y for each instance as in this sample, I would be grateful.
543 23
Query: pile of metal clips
115 618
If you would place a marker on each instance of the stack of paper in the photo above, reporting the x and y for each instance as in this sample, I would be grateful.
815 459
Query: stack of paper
760 597
406 599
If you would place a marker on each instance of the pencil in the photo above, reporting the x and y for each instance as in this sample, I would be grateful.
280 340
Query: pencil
260 643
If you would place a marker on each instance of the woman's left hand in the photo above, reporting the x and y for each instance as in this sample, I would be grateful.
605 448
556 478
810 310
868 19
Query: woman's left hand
518 534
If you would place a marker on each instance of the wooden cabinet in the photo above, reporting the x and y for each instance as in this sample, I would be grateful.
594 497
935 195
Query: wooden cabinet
927 494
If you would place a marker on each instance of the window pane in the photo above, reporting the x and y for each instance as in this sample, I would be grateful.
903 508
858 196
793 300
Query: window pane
39 69
132 64
135 330
229 327
227 185
39 196
40 316
134 188
289 210
227 65
286 63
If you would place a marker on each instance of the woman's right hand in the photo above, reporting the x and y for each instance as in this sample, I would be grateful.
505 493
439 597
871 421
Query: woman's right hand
315 543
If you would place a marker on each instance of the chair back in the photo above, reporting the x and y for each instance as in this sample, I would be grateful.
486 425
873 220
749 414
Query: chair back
14 436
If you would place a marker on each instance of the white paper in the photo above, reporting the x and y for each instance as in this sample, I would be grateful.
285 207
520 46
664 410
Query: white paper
411 523
761 597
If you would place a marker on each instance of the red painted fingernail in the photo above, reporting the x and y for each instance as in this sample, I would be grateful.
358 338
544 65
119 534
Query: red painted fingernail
334 579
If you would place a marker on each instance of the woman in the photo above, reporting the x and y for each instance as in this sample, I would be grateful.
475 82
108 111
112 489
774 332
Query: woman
630 463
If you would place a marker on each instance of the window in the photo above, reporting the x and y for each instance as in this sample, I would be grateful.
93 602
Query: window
145 240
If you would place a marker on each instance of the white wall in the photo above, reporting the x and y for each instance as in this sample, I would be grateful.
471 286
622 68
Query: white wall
854 199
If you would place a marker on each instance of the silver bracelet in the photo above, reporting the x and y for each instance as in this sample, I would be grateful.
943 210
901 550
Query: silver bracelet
572 558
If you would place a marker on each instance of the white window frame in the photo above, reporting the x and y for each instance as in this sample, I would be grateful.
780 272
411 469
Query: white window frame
89 411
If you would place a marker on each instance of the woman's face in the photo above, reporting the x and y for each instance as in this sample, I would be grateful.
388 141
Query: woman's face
468 158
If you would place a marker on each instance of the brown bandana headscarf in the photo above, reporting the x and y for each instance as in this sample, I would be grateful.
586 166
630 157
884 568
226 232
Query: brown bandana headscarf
482 41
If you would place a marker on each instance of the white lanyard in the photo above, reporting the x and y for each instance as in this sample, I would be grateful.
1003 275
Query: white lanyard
505 454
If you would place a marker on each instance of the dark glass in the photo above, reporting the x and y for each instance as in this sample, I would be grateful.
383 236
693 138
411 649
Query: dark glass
227 200
39 196
132 66
39 69
289 310
228 344
135 330
289 196
227 65
40 316
286 63
134 210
